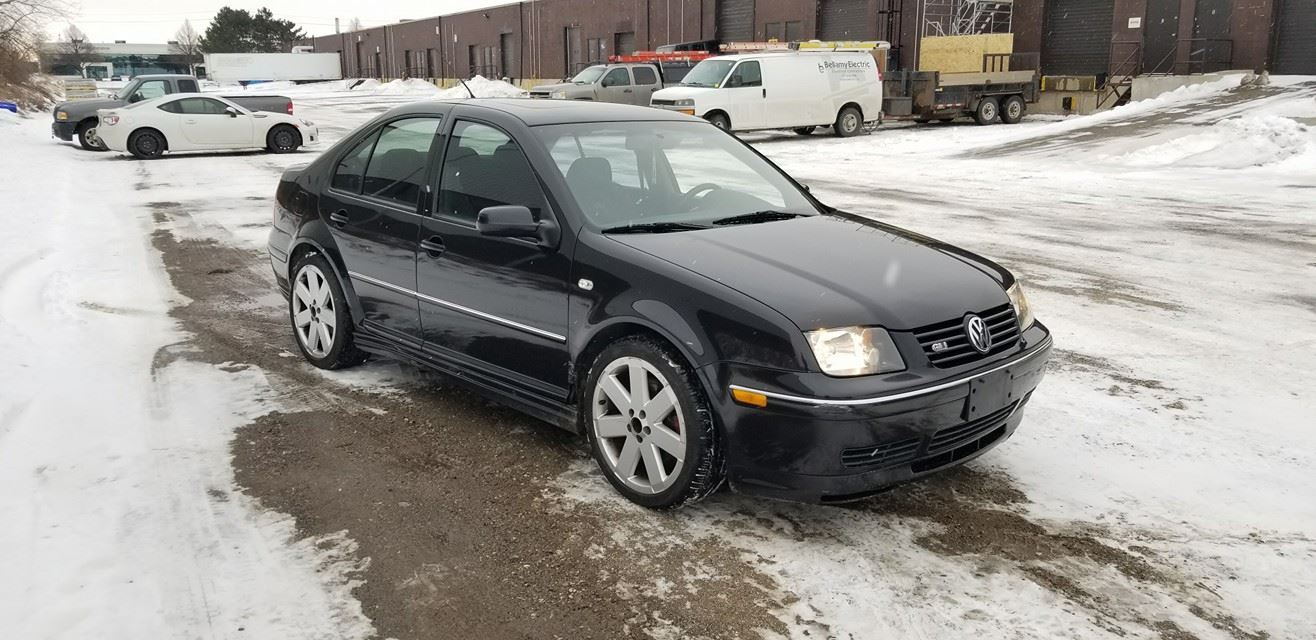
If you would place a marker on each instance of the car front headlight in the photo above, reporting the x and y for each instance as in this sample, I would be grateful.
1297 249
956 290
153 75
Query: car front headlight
61 115
109 121
685 102
1020 303
854 351
558 94
307 123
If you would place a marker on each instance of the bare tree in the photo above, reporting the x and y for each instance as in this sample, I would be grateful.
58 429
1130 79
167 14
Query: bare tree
21 25
74 48
189 42
354 24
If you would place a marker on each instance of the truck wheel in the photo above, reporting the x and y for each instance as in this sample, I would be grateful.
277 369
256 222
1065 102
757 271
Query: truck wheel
1012 111
987 111
146 144
719 120
804 131
848 122
87 136
283 139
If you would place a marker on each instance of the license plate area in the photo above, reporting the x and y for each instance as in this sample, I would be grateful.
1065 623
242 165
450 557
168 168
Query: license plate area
989 393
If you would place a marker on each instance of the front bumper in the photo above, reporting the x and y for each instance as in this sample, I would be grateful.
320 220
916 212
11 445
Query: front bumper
64 129
814 448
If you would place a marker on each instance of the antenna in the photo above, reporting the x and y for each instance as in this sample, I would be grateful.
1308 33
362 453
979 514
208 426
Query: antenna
468 89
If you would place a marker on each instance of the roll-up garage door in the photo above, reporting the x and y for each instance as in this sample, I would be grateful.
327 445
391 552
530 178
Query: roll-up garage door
735 20
1295 37
1076 40
844 20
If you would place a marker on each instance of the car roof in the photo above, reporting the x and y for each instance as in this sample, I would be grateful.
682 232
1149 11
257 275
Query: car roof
535 112
160 76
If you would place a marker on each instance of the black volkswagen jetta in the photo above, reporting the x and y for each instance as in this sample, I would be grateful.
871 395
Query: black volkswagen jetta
649 280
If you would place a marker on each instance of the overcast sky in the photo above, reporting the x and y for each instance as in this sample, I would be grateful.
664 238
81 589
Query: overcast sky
157 20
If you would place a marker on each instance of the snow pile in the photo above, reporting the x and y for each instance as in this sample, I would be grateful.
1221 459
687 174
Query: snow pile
482 87
410 86
8 118
1235 143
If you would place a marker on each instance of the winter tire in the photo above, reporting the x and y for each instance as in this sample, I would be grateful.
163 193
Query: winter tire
719 120
320 319
1012 110
987 111
848 122
87 137
649 425
283 139
146 144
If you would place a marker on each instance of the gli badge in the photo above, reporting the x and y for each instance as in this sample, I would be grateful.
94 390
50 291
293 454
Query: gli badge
976 330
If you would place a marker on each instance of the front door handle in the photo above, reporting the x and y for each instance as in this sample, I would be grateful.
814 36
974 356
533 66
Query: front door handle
434 246
189 122
339 218
626 90
765 93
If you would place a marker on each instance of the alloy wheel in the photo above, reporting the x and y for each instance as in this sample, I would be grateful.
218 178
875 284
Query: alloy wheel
639 426
313 311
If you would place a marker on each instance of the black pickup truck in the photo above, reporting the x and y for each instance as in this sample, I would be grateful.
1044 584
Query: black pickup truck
78 117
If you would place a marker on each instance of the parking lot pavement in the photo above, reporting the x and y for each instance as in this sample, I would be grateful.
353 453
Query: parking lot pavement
1159 485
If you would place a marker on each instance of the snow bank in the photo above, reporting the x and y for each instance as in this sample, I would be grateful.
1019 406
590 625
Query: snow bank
1235 143
8 118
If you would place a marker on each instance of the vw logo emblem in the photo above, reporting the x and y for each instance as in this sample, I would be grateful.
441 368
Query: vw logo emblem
976 330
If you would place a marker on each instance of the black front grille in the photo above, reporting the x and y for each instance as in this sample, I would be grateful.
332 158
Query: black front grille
952 437
883 455
946 344
665 103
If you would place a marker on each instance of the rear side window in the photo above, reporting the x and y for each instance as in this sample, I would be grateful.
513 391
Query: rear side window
397 165
187 86
645 75
171 107
347 175
484 167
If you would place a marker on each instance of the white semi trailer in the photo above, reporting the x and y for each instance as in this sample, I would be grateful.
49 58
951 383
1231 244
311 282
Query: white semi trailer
266 67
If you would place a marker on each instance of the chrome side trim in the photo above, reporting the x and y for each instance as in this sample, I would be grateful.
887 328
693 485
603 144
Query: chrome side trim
902 395
459 308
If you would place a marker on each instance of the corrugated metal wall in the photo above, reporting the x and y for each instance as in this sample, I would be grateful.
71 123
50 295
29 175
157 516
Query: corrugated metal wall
1076 37
1295 38
844 20
735 20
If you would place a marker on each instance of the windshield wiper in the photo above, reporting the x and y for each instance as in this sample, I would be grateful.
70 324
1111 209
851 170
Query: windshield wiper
758 216
654 227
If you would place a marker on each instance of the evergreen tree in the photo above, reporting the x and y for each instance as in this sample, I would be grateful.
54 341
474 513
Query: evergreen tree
237 31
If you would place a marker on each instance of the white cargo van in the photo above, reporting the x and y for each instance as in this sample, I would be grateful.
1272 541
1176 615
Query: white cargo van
799 90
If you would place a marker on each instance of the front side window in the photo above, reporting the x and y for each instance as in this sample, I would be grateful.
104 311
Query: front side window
689 173
746 75
201 106
397 165
618 77
708 73
149 90
484 167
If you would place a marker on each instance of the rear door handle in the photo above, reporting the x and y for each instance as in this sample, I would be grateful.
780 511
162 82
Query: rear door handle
434 246
189 122
626 90
339 218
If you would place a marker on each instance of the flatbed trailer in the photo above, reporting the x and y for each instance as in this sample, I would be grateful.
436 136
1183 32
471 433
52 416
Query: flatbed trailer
988 97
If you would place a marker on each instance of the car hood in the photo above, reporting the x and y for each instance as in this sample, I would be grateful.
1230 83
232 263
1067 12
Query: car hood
561 86
678 92
837 270
83 108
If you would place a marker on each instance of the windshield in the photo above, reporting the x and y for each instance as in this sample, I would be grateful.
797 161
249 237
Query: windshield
668 176
589 75
708 73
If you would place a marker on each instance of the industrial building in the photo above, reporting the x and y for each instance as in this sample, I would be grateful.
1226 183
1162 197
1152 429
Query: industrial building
546 39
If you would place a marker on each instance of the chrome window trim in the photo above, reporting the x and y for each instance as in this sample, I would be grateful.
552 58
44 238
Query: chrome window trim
902 395
459 308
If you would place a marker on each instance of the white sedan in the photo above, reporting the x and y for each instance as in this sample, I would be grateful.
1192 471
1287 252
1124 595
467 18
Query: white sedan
199 122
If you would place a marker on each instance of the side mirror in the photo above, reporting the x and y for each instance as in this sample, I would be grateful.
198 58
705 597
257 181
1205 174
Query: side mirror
515 221
734 81
136 97
232 113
